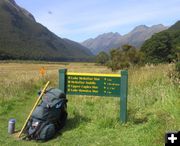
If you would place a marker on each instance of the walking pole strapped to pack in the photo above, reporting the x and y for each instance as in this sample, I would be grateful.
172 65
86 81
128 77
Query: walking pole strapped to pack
42 93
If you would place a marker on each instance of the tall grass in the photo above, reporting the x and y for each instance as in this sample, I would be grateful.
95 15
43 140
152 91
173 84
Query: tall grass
153 106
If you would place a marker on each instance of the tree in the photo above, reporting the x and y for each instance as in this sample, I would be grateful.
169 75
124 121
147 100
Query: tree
125 57
127 47
161 47
117 60
102 58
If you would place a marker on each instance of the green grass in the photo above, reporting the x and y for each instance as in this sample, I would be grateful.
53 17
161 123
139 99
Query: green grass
153 107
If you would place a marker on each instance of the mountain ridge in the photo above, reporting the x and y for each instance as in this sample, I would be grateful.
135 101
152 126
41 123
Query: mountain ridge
135 37
24 38
18 8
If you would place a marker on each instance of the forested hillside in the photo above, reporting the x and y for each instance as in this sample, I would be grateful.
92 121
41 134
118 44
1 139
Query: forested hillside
163 46
23 38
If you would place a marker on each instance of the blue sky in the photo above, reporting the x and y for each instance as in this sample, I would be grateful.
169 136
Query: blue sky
79 20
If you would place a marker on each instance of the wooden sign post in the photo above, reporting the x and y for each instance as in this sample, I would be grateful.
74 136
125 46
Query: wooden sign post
114 85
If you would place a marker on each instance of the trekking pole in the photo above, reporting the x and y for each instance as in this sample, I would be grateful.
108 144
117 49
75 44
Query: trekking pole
42 93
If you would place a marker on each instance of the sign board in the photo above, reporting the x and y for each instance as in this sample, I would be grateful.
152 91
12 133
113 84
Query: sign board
93 84
114 85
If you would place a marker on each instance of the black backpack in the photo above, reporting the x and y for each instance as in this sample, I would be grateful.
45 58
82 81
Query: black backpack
48 117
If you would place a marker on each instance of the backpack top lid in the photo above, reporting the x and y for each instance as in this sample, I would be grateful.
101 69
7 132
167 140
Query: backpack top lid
56 92
52 97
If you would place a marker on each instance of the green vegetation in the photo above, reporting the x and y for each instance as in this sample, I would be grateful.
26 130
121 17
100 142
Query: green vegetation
163 46
24 39
125 57
174 74
153 106
102 58
178 66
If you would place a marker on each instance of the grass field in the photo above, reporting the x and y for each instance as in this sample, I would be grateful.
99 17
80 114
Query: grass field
153 106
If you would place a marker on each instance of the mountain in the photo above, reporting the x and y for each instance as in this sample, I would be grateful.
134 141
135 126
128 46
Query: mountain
23 38
163 46
102 42
136 38
175 27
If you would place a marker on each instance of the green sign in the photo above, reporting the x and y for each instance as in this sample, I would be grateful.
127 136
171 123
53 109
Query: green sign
92 85
97 85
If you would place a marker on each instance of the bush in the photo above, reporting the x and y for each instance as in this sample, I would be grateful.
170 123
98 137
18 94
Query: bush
117 65
102 58
177 67
123 58
174 74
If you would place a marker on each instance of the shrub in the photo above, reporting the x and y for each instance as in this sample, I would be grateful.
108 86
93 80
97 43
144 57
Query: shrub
123 58
177 67
102 58
174 74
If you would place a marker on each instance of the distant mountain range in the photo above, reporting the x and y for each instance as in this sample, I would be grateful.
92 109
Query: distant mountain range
21 37
136 37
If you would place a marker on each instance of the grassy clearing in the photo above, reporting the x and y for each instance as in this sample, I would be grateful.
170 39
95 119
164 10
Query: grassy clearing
153 106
